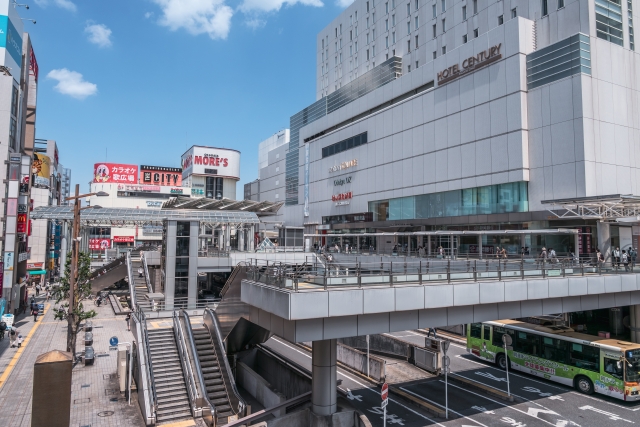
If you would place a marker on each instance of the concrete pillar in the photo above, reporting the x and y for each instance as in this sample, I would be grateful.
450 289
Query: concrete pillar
241 233
170 265
604 239
480 246
451 247
323 386
576 244
429 245
633 323
251 237
192 289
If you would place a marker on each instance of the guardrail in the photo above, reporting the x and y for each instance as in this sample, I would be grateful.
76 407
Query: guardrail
132 286
214 253
359 274
142 321
146 271
236 401
187 372
108 267
259 415
208 411
142 370
181 304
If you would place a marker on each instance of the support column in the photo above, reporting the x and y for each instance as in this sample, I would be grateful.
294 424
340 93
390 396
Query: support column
480 246
323 370
604 239
192 283
451 246
251 237
240 232
429 245
576 244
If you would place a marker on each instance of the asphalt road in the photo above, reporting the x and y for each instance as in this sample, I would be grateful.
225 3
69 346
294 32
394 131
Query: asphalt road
537 402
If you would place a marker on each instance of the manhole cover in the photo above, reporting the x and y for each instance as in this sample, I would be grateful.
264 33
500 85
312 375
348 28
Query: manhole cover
105 413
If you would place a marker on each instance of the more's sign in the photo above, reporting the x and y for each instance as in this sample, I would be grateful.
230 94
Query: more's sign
220 162
470 64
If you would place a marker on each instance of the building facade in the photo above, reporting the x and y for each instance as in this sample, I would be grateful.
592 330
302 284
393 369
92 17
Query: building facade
211 172
458 114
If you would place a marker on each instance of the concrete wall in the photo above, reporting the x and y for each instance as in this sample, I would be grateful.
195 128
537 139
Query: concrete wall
381 344
282 379
259 388
358 360
305 418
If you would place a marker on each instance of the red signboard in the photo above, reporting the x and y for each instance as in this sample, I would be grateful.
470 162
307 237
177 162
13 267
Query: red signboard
33 65
104 173
99 243
123 239
342 196
160 175
22 223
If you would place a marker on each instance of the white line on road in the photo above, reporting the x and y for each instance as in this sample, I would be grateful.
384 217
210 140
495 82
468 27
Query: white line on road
442 406
365 386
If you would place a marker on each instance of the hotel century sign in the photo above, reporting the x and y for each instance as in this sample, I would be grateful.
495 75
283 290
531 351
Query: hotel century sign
470 64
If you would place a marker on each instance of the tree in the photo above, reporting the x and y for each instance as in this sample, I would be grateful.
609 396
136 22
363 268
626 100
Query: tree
83 289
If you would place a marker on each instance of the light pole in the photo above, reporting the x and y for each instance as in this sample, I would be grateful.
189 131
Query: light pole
74 258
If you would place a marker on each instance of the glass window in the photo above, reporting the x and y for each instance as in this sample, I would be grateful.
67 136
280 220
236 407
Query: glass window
560 4
527 343
498 332
434 10
444 5
500 19
464 13
545 7
613 367
464 38
555 350
475 33
475 6
475 331
584 357
514 12
182 247
609 20
486 332
14 101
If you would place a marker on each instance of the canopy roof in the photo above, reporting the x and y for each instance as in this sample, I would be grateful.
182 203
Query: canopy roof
614 207
185 202
119 217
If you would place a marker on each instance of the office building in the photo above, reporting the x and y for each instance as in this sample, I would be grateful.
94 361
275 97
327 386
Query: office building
468 115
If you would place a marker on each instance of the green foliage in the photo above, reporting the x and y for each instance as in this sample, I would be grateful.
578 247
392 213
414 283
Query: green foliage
83 289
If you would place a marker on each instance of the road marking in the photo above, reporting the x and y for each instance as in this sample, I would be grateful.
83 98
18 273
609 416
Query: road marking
483 410
489 376
512 422
534 412
442 406
497 389
500 403
391 418
351 396
365 386
537 391
14 360
611 416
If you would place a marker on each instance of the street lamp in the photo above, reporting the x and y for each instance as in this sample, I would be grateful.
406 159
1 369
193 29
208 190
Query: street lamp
74 251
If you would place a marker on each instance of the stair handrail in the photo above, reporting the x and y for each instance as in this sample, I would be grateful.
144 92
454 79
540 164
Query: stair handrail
208 409
109 266
132 287
242 406
232 278
149 405
187 372
142 318
146 271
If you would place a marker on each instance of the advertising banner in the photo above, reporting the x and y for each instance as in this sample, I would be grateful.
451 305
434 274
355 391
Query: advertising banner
35 265
8 261
219 162
104 173
11 40
99 243
41 170
22 223
160 175
123 239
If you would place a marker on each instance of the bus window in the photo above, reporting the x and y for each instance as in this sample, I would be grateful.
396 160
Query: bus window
585 357
486 332
555 350
476 330
613 367
498 332
527 343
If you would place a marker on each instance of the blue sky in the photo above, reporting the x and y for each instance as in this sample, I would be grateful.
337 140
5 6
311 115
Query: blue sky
139 81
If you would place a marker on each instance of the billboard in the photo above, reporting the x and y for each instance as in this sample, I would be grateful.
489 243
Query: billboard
123 239
100 243
11 29
104 173
41 170
211 161
160 175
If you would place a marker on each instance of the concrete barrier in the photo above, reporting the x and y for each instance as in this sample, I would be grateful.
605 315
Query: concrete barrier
357 361
381 344
259 388
286 381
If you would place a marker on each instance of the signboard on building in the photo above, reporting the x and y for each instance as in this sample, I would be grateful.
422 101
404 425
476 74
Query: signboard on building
41 170
11 30
160 175
35 265
154 204
99 243
104 173
139 188
8 261
22 223
219 162
152 230
470 64
123 239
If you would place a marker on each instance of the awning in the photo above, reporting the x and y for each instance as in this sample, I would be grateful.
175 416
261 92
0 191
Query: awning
37 272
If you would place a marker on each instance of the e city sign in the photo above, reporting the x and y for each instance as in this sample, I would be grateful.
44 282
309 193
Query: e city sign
470 64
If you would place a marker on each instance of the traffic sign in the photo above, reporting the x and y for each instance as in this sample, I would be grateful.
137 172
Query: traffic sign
384 403
113 341
384 393
507 340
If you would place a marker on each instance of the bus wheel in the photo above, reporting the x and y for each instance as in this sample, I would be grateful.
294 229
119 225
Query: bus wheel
584 385
501 361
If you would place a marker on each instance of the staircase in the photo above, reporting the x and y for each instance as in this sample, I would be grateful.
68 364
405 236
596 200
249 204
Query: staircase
211 371
171 391
139 283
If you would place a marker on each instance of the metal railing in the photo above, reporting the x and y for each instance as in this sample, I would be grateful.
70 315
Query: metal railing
359 274
186 366
207 408
231 278
108 267
146 271
132 286
179 304
142 320
211 321
213 252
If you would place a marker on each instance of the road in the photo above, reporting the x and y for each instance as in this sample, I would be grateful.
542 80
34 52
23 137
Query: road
537 403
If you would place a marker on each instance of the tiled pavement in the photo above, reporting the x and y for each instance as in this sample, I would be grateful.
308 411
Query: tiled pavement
96 400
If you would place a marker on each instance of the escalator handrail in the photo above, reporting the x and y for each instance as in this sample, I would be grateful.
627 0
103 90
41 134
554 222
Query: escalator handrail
232 278
241 410
146 270
145 334
196 361
184 361
132 290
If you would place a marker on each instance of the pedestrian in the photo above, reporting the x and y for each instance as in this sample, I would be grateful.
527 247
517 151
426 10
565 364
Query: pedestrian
434 330
625 260
34 313
38 289
599 258
128 319
542 258
616 257
19 340
140 271
48 295
13 336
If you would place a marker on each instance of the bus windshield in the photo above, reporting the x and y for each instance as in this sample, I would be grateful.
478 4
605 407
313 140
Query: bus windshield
632 372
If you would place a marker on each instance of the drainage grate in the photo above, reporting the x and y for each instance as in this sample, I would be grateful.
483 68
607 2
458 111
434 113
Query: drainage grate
113 399
85 385
80 401
110 391
105 413
86 425
98 327
103 355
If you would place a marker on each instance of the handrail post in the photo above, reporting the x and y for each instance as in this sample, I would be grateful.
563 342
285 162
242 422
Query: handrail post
420 273
391 273
499 271
449 270
475 270
522 267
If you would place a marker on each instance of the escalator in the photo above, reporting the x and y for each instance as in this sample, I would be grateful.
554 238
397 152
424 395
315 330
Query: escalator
139 282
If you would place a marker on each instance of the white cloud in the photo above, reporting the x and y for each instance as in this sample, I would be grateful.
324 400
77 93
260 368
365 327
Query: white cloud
212 17
148 15
255 23
72 83
64 4
343 3
275 5
99 34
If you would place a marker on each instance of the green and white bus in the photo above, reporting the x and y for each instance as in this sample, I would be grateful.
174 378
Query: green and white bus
558 353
